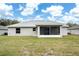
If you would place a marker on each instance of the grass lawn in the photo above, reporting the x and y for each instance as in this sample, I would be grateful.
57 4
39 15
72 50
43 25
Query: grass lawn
32 46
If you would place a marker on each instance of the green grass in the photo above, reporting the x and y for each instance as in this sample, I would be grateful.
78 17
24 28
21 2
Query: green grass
32 46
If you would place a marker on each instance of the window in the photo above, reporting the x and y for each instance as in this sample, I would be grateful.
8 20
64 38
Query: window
34 29
17 30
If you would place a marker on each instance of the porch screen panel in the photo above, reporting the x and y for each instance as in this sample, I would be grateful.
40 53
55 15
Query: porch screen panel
55 30
50 30
44 30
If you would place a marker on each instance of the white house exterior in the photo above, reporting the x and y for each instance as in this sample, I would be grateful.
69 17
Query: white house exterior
3 30
74 30
65 29
37 28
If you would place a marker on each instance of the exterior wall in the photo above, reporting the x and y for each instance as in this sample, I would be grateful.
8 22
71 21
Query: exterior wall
11 32
75 31
63 31
30 32
24 32
3 31
38 31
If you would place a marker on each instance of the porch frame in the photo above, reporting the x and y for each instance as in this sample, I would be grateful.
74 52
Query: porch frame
38 33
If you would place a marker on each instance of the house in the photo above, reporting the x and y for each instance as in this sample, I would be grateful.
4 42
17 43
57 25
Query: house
65 29
3 30
74 30
39 28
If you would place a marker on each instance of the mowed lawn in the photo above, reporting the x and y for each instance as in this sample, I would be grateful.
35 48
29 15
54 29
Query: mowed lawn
32 46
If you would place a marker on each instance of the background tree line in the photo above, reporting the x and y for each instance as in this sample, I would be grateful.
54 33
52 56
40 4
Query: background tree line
6 22
70 24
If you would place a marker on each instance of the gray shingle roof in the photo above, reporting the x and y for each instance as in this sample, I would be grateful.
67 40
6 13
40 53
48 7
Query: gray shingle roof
74 27
3 28
34 23
65 26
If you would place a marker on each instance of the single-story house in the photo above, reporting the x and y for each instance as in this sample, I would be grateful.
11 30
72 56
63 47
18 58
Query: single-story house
3 30
39 28
74 30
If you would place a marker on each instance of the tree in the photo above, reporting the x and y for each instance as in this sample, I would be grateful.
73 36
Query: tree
71 24
5 22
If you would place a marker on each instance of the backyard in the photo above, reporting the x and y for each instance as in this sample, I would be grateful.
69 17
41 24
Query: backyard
33 46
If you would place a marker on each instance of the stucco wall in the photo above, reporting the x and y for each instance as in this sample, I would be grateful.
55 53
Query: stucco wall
3 31
24 32
30 32
63 31
11 31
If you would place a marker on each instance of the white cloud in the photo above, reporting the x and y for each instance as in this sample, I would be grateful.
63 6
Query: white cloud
52 18
54 10
20 19
66 17
72 15
27 12
8 13
32 5
69 18
10 18
75 11
77 4
29 9
38 18
0 15
6 9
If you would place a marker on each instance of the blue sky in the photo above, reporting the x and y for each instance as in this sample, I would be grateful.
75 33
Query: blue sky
62 12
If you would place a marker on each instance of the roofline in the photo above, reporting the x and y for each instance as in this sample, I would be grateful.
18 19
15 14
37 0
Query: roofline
47 25
20 27
4 29
73 28
31 26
